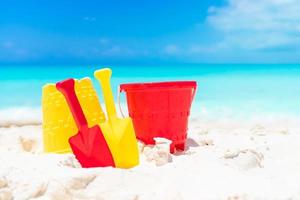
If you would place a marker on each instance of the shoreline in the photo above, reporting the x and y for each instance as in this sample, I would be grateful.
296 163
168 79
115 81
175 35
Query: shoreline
23 116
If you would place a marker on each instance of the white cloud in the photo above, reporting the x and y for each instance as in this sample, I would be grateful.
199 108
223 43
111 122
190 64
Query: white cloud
258 24
171 49
91 19
115 50
7 44
197 49
103 41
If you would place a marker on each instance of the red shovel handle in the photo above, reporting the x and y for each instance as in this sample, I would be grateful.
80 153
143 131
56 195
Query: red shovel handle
66 87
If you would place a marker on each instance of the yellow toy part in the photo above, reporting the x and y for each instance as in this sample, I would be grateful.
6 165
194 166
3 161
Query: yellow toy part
58 123
119 133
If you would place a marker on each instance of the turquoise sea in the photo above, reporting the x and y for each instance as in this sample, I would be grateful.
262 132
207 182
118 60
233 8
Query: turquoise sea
238 87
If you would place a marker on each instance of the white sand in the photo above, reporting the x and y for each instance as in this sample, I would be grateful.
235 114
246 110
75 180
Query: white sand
254 158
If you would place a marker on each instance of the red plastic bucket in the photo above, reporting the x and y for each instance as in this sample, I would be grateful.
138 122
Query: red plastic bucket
160 110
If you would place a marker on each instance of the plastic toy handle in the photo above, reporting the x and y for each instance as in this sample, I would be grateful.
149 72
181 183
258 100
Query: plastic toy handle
194 90
103 76
66 87
119 102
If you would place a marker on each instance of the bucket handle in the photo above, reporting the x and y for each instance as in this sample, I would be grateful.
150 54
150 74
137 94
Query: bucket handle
119 101
194 91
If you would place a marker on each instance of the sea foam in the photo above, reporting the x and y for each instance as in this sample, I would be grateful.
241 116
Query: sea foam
206 116
19 116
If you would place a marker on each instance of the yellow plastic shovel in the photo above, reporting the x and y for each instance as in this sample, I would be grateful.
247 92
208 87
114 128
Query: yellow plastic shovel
119 133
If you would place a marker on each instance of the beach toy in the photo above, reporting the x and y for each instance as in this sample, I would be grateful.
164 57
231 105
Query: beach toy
88 145
58 124
160 110
118 132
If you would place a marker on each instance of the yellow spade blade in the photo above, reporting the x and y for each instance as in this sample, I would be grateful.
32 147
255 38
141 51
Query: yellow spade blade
119 133
58 123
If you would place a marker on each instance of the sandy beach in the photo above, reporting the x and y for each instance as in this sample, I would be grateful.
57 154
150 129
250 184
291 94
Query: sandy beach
231 68
225 158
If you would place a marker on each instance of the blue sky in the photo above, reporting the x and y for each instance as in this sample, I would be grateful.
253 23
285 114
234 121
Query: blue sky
170 31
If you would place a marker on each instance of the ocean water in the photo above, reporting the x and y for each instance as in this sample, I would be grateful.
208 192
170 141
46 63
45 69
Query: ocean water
247 89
